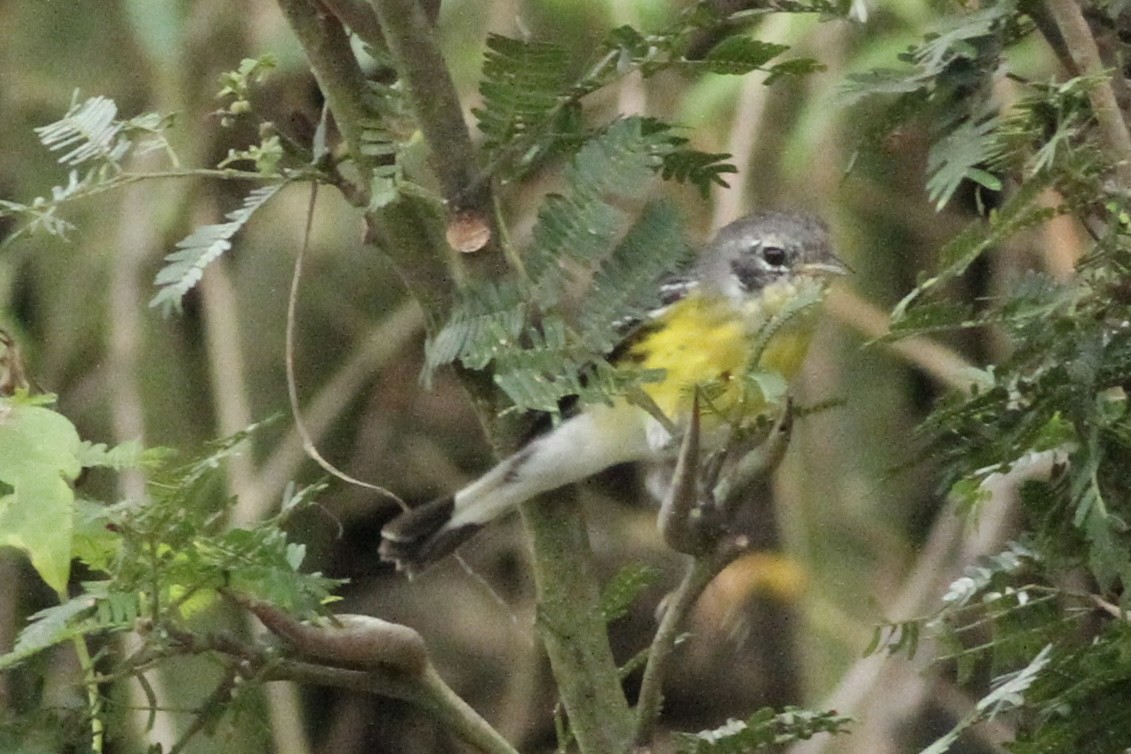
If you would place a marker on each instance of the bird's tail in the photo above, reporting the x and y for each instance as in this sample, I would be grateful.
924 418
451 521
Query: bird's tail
421 536
578 448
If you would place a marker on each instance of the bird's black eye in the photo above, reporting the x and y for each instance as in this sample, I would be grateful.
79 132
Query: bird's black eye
775 256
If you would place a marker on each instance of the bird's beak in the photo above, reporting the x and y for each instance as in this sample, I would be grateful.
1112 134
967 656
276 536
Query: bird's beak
833 266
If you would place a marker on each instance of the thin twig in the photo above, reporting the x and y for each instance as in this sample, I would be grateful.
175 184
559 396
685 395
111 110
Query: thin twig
206 713
93 698
1113 610
699 573
292 385
122 180
678 508
701 525
881 691
381 345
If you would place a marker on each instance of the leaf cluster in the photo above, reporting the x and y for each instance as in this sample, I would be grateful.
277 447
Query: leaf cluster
533 112
1048 424
1061 392
765 730
238 86
533 95
163 560
948 81
1050 421
516 325
94 143
185 267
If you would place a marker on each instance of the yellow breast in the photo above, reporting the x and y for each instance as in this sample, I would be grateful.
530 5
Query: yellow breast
710 342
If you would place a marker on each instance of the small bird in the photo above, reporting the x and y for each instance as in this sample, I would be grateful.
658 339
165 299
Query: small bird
748 304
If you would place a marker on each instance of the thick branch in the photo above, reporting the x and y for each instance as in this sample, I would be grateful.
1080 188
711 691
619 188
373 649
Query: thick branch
359 17
409 231
366 644
573 629
429 693
1084 51
327 47
432 94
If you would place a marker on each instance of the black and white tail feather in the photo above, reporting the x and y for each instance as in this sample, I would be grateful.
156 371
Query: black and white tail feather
579 447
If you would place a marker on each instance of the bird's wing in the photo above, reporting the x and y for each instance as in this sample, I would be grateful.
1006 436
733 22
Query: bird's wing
672 289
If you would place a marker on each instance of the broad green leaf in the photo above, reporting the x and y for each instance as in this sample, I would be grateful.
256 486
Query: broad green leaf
39 452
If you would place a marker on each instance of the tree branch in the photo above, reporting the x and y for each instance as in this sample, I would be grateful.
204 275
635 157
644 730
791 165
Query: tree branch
435 102
409 230
380 658
699 573
572 628
701 525
327 47
942 364
359 17
1084 51
429 692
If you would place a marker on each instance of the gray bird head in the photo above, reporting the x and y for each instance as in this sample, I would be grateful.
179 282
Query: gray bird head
764 247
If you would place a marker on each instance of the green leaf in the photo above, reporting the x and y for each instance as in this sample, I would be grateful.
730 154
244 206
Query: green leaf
795 67
484 323
771 386
960 38
238 84
624 588
48 627
90 130
98 609
627 285
1020 211
558 360
1008 695
523 82
802 304
39 458
701 169
878 82
96 543
92 133
761 731
581 226
204 246
956 157
739 55
128 455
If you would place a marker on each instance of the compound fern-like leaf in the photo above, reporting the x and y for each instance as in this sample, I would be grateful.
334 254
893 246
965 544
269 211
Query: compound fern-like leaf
204 246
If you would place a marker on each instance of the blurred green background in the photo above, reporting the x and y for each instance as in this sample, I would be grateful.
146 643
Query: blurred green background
851 538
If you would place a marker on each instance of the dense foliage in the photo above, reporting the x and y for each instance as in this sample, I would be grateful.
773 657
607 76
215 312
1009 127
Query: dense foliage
1039 629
